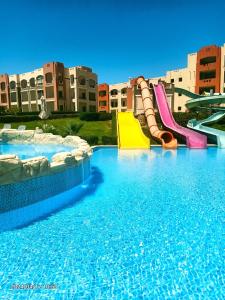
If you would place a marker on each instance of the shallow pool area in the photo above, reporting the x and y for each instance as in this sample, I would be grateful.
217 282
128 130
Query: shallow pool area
146 225
24 151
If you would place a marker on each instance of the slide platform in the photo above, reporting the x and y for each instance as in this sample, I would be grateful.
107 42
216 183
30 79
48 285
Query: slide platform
129 132
193 139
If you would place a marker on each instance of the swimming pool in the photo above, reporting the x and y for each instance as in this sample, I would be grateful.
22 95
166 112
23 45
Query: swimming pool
148 225
24 151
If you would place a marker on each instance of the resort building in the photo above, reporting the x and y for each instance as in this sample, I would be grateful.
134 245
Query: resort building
103 97
65 89
183 78
115 97
204 73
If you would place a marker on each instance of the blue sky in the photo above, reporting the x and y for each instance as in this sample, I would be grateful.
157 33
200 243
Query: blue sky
118 39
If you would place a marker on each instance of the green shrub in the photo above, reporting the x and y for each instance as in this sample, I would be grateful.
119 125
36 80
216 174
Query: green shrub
60 116
72 129
91 139
105 116
73 113
114 124
88 116
109 140
27 113
12 118
48 128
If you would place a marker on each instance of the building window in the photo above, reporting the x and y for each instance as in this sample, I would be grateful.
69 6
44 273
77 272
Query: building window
102 103
12 85
124 102
32 95
13 97
34 107
24 96
32 82
92 108
179 94
179 108
207 75
83 108
92 97
82 94
72 93
82 80
60 78
60 94
92 83
48 77
25 108
202 90
49 92
3 85
114 92
40 93
180 79
71 79
124 91
208 60
114 103
102 93
39 80
3 98
23 84
61 107
172 80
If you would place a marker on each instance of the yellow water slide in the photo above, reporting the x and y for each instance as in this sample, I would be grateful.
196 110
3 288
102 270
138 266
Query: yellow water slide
129 132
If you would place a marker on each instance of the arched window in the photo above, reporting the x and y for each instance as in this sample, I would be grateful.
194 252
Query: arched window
3 85
124 91
60 78
12 85
114 92
48 77
23 83
72 79
32 82
92 83
39 79
102 93
82 80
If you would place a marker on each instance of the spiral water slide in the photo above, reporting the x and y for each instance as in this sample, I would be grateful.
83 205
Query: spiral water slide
210 102
165 137
193 139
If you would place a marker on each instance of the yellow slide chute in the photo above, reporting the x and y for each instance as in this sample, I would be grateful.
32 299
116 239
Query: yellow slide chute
130 135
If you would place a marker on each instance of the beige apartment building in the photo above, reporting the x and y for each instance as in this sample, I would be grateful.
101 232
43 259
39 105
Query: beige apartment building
205 72
118 96
65 89
183 78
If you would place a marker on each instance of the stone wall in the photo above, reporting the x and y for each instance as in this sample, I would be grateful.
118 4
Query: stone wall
13 169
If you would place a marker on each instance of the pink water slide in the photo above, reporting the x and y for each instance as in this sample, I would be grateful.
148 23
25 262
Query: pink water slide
193 139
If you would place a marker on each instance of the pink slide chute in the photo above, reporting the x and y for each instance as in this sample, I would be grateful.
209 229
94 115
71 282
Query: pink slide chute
193 139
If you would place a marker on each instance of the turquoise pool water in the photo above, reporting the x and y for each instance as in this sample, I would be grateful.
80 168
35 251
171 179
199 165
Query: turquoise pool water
32 150
147 225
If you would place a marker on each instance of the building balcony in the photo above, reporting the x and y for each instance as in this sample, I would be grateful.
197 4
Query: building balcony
207 67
